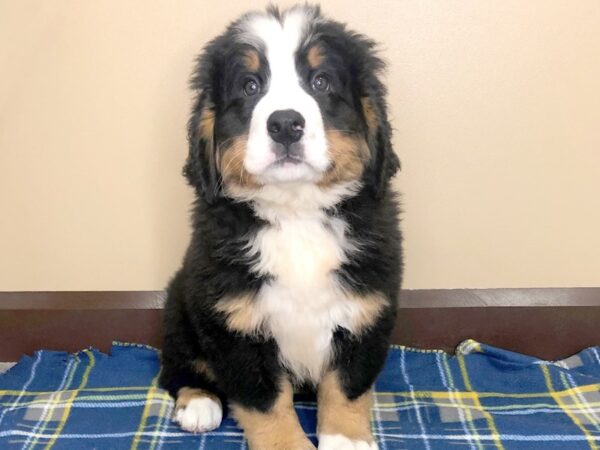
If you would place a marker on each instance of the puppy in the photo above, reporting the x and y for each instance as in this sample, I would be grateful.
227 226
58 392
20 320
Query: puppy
294 266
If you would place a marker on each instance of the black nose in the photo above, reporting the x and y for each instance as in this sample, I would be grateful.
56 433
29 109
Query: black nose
285 126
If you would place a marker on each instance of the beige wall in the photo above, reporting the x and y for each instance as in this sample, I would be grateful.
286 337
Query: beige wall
496 106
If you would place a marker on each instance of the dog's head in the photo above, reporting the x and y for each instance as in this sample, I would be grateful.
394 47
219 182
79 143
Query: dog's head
288 99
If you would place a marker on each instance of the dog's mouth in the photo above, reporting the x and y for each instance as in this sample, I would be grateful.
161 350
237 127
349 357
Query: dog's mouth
288 159
289 164
289 168
302 161
292 153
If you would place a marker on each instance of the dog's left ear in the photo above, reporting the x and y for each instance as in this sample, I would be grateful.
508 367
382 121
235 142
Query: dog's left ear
384 162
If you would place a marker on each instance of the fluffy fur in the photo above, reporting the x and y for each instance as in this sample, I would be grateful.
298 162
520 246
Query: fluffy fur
294 265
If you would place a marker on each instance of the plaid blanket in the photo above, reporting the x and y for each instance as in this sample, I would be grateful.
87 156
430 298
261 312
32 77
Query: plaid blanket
482 398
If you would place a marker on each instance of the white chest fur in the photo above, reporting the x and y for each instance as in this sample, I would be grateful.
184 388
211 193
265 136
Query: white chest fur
304 302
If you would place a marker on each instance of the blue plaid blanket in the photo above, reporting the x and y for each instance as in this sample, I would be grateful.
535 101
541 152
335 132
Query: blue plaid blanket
482 398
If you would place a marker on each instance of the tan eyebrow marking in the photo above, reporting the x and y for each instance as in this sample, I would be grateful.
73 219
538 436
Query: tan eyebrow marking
315 56
252 60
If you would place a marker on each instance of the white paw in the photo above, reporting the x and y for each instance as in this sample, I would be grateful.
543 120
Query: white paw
201 414
339 442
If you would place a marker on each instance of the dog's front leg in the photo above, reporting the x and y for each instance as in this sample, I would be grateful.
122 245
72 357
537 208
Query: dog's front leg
343 423
276 428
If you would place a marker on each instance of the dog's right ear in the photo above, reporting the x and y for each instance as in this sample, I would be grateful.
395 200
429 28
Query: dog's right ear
201 167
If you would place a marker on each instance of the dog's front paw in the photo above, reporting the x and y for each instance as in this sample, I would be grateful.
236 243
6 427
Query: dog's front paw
339 442
200 414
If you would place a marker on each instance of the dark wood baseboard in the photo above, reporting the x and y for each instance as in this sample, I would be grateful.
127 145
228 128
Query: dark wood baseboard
548 332
548 323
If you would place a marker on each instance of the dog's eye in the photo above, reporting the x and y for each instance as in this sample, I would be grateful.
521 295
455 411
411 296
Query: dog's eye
320 83
251 87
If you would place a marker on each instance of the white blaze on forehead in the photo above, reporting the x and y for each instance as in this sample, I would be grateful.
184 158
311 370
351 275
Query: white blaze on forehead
281 41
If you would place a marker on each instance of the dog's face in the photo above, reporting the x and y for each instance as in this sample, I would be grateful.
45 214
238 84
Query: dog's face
288 99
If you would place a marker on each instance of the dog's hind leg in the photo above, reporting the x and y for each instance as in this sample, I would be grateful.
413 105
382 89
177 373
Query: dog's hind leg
198 405
187 376
197 410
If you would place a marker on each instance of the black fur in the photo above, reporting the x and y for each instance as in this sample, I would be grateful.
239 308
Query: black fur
247 368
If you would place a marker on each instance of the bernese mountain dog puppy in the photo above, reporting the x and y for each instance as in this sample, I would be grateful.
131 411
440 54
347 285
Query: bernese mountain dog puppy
293 271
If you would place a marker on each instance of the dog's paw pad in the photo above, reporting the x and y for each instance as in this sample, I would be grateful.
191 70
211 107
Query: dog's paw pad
339 442
200 414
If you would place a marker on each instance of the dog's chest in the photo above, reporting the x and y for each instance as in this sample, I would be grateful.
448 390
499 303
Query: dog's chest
302 304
